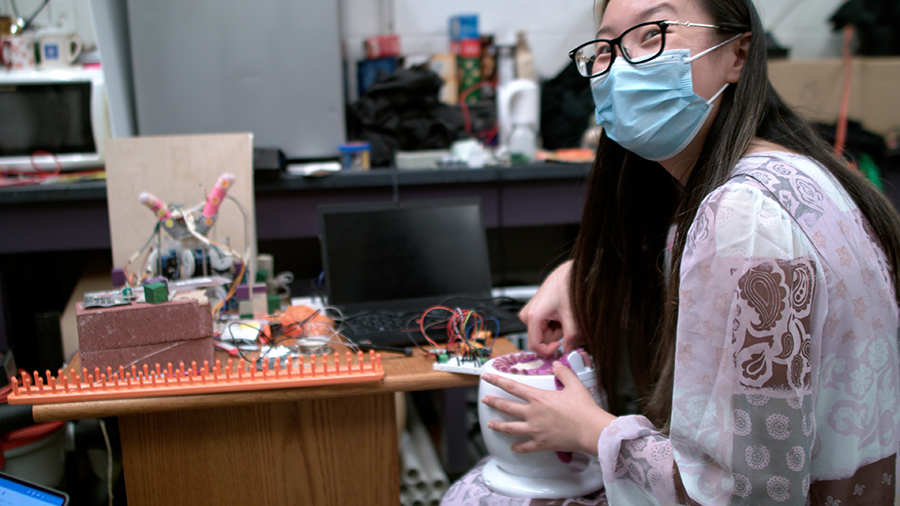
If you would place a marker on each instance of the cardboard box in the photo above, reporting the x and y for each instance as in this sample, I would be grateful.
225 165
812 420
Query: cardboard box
814 87
444 65
464 26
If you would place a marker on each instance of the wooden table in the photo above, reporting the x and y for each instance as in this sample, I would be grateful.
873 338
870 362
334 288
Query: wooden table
315 445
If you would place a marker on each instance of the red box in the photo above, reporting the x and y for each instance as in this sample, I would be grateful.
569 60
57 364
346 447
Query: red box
466 48
382 46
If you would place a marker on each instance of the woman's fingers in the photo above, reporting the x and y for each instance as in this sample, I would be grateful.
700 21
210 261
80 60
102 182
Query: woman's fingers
515 428
527 447
545 349
565 375
548 314
520 429
515 388
511 408
571 343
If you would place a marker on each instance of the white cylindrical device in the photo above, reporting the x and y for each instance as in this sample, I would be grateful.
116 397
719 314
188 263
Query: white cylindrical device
540 474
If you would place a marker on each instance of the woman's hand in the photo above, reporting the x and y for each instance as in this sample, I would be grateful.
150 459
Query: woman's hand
558 420
548 315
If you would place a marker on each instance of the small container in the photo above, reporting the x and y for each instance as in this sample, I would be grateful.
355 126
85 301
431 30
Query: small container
464 26
355 155
522 144
36 453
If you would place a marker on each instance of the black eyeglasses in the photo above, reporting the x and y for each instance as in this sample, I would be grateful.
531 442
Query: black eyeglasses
638 44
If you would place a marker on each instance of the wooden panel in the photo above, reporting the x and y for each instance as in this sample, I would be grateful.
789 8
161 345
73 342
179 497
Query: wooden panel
323 452
178 170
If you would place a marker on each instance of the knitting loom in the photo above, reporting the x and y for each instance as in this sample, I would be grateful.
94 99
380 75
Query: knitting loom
160 382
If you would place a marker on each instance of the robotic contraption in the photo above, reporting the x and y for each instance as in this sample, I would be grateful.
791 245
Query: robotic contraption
188 251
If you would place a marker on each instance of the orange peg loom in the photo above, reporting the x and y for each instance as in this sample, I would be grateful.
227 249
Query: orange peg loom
161 382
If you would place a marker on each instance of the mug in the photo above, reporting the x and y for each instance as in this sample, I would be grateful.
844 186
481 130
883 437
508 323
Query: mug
59 50
8 26
17 52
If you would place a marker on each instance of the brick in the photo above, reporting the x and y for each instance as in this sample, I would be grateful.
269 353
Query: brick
141 324
197 350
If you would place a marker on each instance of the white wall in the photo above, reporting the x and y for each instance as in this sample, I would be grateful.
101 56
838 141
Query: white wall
553 26
71 15
802 25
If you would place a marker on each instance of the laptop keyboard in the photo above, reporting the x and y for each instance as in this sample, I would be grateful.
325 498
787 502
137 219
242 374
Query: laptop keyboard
400 327
380 322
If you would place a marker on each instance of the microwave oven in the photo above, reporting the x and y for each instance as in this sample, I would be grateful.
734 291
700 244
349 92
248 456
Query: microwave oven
51 118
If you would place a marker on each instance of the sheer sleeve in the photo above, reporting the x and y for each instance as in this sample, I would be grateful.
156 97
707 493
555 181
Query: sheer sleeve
742 423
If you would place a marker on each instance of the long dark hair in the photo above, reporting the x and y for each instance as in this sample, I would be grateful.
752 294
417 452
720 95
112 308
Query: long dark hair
624 287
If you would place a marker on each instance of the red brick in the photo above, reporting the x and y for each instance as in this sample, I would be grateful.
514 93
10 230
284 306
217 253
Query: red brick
161 353
141 324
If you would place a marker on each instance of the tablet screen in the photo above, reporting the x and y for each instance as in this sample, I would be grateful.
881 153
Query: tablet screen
17 492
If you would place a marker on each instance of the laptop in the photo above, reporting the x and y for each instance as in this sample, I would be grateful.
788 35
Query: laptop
386 263
18 492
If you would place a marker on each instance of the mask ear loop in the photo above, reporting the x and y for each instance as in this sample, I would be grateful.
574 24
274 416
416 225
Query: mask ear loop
704 53
710 50
717 95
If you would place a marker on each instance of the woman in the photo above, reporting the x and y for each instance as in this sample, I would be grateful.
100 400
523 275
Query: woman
761 333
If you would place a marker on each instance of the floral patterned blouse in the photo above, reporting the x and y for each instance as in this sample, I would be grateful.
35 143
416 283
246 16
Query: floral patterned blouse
787 376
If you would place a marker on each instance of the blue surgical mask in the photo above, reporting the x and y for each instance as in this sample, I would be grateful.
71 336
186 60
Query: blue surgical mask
651 109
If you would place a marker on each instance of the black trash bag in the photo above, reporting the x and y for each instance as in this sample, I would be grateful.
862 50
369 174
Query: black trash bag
876 23
402 111
567 107
859 141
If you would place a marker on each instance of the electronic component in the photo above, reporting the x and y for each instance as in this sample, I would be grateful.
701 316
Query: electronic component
460 365
467 346
407 351
108 299
156 293
243 331
127 295
15 490
188 252
273 303
213 201
181 223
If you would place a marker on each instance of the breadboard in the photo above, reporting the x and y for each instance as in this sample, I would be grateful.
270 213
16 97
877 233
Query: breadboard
161 381
461 365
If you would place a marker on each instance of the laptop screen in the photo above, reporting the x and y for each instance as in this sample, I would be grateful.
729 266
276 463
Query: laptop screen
392 251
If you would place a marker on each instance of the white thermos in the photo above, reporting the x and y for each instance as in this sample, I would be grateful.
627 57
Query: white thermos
518 112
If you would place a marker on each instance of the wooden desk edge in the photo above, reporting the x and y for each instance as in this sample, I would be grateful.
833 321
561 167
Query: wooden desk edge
401 375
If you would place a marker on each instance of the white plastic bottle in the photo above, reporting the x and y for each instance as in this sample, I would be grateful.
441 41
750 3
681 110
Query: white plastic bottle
522 143
506 57
524 59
